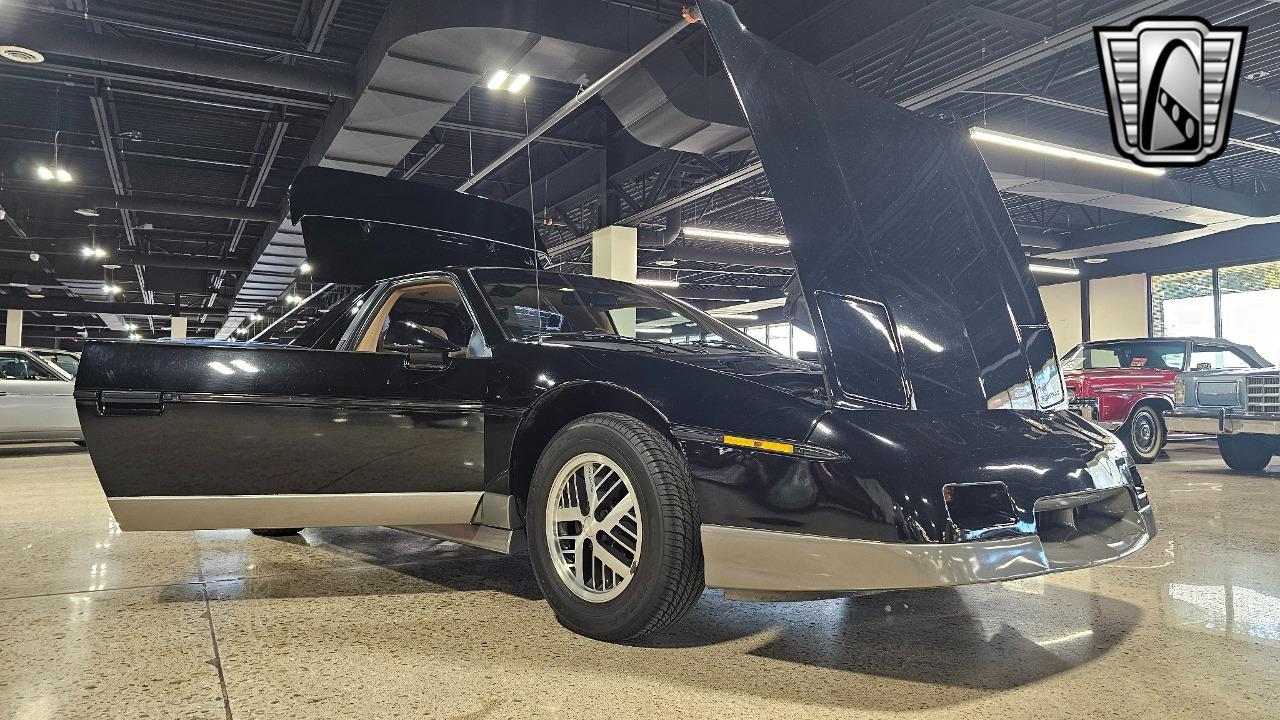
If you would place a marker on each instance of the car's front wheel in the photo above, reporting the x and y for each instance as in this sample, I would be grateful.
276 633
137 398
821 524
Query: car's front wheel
1246 453
613 528
1143 434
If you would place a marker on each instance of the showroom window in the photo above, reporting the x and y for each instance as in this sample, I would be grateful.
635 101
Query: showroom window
1249 296
1182 304
784 338
1243 310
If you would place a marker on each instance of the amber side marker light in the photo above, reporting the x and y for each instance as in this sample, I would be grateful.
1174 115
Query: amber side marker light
759 444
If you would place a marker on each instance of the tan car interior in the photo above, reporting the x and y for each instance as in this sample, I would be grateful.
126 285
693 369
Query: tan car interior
442 294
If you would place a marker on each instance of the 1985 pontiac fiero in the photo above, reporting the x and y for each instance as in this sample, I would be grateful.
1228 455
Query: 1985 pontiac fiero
638 448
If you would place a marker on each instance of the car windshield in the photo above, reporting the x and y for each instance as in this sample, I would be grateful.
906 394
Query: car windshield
66 361
554 305
1129 355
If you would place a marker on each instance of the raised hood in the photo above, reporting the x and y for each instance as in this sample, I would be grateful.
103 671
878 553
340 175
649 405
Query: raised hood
361 228
908 262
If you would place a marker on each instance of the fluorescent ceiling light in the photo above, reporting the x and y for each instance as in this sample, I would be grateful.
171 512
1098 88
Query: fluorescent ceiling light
518 83
1062 151
654 330
736 236
656 282
1053 269
498 78
733 316
1095 260
87 212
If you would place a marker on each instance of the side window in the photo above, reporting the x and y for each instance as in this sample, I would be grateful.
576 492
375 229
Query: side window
1209 357
414 312
17 366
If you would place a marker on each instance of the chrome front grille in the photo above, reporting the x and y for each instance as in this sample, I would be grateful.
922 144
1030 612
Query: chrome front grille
1262 393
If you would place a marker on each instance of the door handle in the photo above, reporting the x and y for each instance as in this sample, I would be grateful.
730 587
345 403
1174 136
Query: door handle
128 402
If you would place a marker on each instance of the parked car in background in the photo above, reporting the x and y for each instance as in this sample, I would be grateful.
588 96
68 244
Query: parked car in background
1240 407
65 359
1127 385
36 402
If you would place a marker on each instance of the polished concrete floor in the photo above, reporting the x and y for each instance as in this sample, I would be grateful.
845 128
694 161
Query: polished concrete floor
370 622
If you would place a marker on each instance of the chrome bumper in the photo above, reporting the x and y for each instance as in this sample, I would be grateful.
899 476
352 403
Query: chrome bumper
758 562
1222 423
1087 408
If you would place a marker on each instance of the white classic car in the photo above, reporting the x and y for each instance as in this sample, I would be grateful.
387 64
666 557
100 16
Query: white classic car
36 403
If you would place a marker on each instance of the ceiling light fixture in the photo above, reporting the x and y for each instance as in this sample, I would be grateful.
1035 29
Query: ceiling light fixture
110 288
665 263
657 282
1095 260
1053 269
94 252
744 317
498 79
735 235
19 54
36 296
44 173
654 330
255 317
305 268
87 212
292 299
518 83
1061 151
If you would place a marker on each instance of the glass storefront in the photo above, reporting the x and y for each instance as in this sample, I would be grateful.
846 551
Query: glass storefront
1245 307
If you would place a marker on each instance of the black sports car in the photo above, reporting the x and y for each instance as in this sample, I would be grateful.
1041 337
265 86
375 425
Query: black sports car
639 448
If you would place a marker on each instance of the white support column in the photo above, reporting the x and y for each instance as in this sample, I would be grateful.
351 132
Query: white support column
613 256
13 328
178 328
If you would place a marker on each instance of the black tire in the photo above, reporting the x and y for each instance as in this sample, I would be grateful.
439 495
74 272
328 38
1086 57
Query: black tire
1143 434
667 576
1246 453
275 532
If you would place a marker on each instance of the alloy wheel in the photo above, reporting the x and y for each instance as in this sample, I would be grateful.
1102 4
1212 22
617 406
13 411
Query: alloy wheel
593 527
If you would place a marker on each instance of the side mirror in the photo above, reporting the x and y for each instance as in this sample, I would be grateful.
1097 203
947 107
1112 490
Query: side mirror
425 351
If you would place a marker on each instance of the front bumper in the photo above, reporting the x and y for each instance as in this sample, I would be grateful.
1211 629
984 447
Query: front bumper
753 562
1087 408
1221 423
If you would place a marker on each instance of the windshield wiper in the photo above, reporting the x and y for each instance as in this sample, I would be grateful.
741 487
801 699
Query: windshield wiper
714 343
610 337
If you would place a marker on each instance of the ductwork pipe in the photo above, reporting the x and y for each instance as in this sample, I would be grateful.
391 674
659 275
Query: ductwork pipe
1259 103
174 58
180 207
587 93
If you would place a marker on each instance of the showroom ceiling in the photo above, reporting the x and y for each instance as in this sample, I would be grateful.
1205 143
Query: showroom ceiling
181 129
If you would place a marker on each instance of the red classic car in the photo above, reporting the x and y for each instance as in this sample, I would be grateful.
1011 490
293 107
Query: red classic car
1127 385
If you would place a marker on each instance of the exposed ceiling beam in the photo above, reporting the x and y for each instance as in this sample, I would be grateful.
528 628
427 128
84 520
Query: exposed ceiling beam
1004 21
49 304
183 207
166 57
